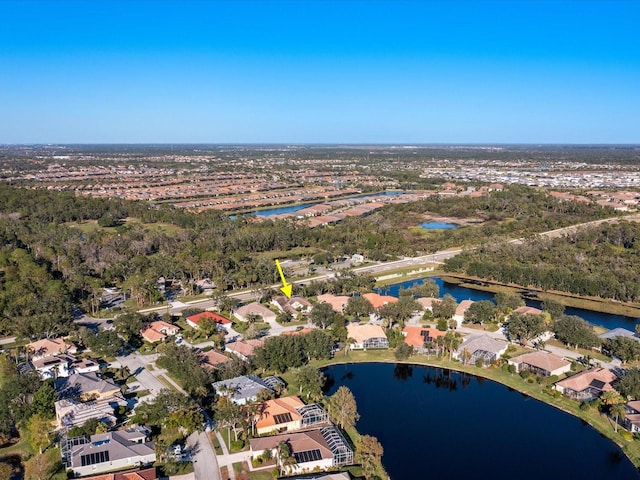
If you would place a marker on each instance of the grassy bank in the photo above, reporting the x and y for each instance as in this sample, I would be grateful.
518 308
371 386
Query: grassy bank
540 392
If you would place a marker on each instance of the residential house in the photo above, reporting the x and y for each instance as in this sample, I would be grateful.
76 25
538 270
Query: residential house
619 332
213 359
367 336
418 336
378 301
85 365
146 474
427 302
293 305
481 347
71 413
286 414
48 347
85 387
337 302
242 313
632 418
223 322
357 258
159 330
541 363
242 390
313 450
588 385
54 366
109 451
461 309
524 310
244 349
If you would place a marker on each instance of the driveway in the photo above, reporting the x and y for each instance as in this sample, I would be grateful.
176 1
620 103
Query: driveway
137 366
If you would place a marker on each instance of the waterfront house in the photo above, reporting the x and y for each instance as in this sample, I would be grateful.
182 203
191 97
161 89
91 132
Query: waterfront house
619 332
461 309
137 474
313 450
337 302
541 363
481 347
418 336
427 302
588 385
367 336
378 301
286 414
632 418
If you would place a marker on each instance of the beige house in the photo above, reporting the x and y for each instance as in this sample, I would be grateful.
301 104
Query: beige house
244 349
337 302
587 385
541 363
279 415
461 309
367 336
158 331
242 313
48 347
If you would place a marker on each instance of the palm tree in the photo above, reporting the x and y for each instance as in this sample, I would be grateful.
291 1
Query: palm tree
466 355
619 412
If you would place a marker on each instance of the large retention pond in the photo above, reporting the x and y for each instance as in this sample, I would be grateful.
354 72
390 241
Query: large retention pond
606 320
438 424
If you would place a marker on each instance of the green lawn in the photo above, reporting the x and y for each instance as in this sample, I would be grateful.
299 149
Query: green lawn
242 468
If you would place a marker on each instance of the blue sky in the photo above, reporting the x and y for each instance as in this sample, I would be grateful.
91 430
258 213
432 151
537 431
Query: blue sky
319 71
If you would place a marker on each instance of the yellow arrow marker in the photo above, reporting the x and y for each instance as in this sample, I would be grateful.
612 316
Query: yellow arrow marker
286 289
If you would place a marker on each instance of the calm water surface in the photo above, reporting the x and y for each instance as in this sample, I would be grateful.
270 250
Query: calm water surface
438 424
606 320
438 226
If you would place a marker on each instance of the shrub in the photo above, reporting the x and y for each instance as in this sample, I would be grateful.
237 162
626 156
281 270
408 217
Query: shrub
525 374
479 363
626 434
512 369
237 445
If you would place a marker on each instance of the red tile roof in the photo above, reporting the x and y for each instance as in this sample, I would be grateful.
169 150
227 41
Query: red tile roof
216 317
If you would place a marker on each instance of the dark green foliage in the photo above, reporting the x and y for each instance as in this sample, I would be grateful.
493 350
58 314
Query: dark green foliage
573 330
403 351
281 353
442 324
626 349
600 261
104 343
507 302
395 337
44 399
428 288
524 327
323 316
555 309
629 384
359 307
16 400
166 402
480 312
445 308
184 364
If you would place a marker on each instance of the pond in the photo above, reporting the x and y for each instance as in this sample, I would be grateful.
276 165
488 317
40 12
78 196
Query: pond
439 225
607 320
435 423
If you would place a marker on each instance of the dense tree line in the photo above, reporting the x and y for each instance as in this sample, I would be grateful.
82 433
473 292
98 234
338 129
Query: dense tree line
601 261
279 354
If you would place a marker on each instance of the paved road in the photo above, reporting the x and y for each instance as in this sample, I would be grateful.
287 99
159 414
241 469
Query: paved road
205 463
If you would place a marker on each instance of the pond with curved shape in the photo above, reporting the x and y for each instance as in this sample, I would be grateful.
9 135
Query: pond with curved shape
440 424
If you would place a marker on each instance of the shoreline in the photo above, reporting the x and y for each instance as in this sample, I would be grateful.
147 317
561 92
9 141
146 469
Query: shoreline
626 446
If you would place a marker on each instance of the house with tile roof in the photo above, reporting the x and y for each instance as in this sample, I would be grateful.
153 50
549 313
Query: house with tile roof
367 336
313 450
242 390
244 349
85 386
145 474
416 336
588 385
427 302
337 302
481 347
242 313
48 347
159 330
541 363
461 309
293 305
213 359
103 452
222 321
378 300
286 414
